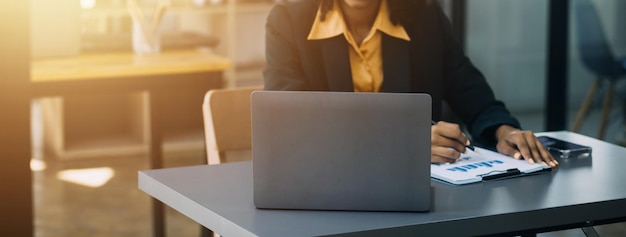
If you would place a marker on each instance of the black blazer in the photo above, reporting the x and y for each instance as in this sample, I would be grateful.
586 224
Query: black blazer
432 62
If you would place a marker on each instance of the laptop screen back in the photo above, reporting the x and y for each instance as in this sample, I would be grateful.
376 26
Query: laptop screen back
341 150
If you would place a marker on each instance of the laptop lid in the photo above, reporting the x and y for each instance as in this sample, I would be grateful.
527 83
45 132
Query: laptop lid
341 150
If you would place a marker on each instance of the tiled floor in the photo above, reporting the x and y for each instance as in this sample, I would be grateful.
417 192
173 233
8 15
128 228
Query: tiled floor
118 208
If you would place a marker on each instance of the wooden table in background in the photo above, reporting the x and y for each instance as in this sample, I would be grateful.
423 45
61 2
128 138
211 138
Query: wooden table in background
125 72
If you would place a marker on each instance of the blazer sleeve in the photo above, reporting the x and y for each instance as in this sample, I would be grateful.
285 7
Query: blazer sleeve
283 70
468 93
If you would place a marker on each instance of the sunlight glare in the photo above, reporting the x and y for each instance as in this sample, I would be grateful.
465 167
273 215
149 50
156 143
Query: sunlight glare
93 177
87 4
37 165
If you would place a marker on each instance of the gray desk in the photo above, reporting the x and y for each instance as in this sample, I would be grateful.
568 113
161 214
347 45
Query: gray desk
579 193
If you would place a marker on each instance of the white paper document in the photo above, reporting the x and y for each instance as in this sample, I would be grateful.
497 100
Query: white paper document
475 167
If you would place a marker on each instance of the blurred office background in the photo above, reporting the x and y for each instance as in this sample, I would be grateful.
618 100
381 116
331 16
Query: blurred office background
506 39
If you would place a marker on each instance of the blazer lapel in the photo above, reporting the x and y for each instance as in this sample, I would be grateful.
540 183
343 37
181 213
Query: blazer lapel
396 65
337 64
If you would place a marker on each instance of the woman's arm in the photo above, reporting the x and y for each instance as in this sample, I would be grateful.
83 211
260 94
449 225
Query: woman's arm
283 70
488 120
468 93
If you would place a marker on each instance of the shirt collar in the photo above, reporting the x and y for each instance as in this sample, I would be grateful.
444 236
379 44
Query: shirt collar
334 24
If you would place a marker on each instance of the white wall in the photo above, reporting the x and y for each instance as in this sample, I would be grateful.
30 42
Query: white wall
55 28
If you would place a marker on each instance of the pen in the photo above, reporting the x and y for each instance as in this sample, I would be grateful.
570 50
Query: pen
470 146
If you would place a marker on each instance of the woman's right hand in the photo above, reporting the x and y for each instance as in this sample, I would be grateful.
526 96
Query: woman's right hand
447 142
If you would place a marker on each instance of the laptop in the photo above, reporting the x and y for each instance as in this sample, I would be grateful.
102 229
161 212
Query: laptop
341 150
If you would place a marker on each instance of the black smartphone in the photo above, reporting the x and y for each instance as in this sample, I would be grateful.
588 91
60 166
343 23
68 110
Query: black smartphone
564 149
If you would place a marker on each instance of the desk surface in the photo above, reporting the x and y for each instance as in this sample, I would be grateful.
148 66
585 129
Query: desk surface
125 64
580 192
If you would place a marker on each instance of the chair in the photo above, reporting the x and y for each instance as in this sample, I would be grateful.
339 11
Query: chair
598 58
227 127
226 115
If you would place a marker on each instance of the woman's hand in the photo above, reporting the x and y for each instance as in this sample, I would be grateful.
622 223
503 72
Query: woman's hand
523 144
447 142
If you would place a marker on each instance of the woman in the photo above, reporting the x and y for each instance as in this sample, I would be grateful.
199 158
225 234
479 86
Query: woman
392 46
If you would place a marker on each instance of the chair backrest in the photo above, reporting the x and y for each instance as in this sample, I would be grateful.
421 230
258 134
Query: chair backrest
226 115
594 49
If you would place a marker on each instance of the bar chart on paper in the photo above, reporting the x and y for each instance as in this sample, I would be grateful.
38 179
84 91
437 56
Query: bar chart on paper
482 165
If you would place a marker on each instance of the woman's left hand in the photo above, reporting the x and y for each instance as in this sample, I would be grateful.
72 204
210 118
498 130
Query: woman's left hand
523 144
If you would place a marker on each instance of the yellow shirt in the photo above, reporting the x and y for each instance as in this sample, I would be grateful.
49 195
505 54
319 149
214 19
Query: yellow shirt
366 60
